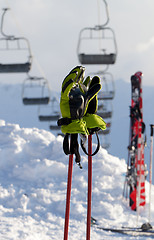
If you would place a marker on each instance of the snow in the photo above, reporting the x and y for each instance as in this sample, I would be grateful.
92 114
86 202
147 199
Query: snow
33 182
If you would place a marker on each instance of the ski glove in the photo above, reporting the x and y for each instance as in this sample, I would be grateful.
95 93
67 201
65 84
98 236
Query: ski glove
78 105
76 96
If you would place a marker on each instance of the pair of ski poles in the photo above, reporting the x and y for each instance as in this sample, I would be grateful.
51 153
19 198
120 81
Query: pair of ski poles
68 194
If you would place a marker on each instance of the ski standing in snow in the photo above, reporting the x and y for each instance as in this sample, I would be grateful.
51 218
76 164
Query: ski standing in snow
136 171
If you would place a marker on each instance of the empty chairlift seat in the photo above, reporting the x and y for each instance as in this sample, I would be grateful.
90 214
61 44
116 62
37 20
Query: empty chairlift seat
15 53
15 67
35 100
105 114
97 46
108 88
35 91
97 58
105 109
54 127
105 95
49 118
50 112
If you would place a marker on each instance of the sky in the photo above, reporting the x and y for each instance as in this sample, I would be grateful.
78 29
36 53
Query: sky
52 28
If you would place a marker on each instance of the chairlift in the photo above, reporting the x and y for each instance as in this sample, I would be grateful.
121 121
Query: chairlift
48 118
108 88
50 112
35 91
14 49
105 109
105 141
105 114
97 45
54 127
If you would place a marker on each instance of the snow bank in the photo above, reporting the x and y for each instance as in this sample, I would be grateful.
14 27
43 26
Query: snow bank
33 181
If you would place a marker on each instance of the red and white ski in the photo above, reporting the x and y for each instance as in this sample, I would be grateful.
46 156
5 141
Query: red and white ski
135 176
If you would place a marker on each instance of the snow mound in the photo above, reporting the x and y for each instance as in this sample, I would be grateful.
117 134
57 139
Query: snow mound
33 177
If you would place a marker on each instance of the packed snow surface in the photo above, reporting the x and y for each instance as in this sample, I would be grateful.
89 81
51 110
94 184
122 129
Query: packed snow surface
33 182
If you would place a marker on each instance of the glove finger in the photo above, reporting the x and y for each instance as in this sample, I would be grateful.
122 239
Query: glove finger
93 103
91 98
87 81
75 75
94 80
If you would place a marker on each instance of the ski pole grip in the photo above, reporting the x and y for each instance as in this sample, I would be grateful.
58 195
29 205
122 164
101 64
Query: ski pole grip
152 126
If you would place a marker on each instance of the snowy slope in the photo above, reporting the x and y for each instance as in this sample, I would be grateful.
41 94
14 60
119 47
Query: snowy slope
33 176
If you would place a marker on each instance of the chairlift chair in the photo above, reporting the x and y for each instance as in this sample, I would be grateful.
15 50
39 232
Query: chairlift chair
50 112
97 45
105 141
47 118
105 109
35 91
12 51
108 88
54 127
105 114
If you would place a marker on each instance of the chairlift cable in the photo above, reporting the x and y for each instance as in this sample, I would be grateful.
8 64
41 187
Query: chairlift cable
41 70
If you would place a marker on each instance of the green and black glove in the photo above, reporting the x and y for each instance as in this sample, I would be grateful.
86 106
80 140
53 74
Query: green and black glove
76 95
78 106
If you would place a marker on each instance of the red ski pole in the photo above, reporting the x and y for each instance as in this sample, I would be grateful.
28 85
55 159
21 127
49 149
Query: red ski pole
68 196
89 185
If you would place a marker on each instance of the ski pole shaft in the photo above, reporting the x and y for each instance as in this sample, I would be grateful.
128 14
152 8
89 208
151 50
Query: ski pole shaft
89 186
68 196
150 167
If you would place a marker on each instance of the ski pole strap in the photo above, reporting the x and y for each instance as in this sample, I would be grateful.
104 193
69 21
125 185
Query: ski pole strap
97 149
71 146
